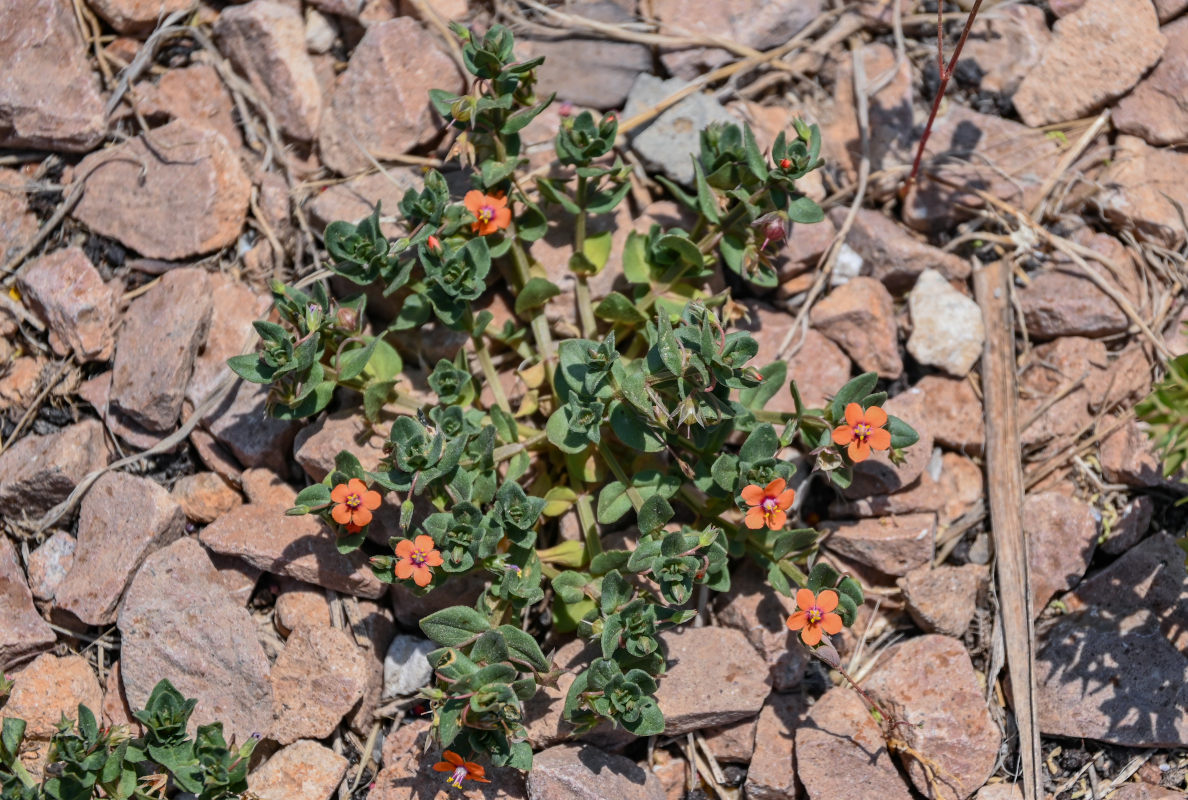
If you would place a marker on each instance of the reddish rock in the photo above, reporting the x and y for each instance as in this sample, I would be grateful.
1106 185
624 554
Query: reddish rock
819 368
49 563
753 607
381 103
66 291
136 16
583 772
24 632
891 545
265 40
357 199
1107 44
373 629
162 332
38 472
929 682
859 316
115 704
178 622
242 425
956 487
714 678
732 744
214 456
304 770
878 474
1126 381
1128 456
299 547
1144 791
316 680
772 773
21 382
1047 374
195 94
1061 537
156 220
122 520
18 225
1132 524
1143 185
317 445
1006 43
203 496
840 751
265 487
1063 302
50 97
238 577
300 605
1155 109
942 599
46 691
894 256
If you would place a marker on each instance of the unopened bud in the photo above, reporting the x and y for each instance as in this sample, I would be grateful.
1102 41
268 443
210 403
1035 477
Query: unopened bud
433 244
348 318
785 163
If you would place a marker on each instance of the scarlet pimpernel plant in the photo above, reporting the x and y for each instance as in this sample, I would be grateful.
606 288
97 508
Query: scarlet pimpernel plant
644 418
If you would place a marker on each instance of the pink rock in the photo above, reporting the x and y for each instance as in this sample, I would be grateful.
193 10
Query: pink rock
1145 791
300 605
1006 43
948 494
955 413
238 577
316 680
753 607
46 691
1066 303
67 292
136 16
1143 185
373 629
894 256
1155 109
1048 374
304 770
24 632
122 520
1061 537
242 425
715 677
357 198
178 622
317 445
732 744
929 682
819 369
49 563
858 315
156 220
115 705
840 749
18 225
772 773
381 102
1126 381
203 496
891 545
583 772
1128 456
942 599
50 96
38 472
195 94
155 354
265 40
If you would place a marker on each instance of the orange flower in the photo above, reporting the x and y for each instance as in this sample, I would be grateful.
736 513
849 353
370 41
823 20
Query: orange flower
460 768
815 615
863 430
415 559
490 211
354 503
768 504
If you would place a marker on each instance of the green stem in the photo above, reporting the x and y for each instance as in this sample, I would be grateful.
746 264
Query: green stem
539 324
585 509
585 307
484 357
633 494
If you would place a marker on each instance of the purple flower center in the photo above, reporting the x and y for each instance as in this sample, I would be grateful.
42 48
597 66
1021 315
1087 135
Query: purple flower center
353 500
862 431
485 214
770 504
418 558
814 615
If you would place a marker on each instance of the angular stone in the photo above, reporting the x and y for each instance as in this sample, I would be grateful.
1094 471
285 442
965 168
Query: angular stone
666 144
122 520
238 577
1047 374
38 472
22 381
1061 537
47 690
411 608
50 97
772 774
265 40
819 369
66 291
878 474
316 680
18 225
156 220
732 744
136 16
317 445
1126 381
583 772
115 704
947 328
179 623
858 315
1143 186
356 199
299 547
304 770
929 682
942 599
1107 44
949 493
1144 791
1112 677
24 632
195 94
373 628
49 563
406 669
300 605
1006 43
203 496
1156 110
381 102
241 424
1066 303
840 750
1128 456
753 607
1132 524
892 255
235 308
714 677
891 545
162 332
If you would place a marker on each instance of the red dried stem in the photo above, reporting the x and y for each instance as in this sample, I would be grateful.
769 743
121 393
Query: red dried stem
945 74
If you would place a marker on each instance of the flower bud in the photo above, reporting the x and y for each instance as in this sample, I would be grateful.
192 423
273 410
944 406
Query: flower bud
348 318
433 244
785 163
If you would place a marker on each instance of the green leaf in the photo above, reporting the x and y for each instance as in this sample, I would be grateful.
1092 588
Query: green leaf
313 496
654 514
822 576
756 397
385 363
618 309
650 721
854 390
635 259
805 211
597 248
374 397
684 248
532 224
760 444
902 434
616 592
10 739
536 292
520 119
523 648
454 626
633 431
707 203
309 405
251 368
613 503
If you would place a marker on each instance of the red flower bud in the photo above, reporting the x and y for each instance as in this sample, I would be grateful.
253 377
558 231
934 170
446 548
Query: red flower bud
785 163
433 244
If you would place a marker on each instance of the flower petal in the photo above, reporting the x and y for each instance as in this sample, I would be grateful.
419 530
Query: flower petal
424 542
752 495
475 771
876 416
404 548
827 600
361 516
811 635
340 514
797 621
433 559
422 576
859 451
880 439
774 488
339 493
443 766
372 500
778 520
502 217
805 599
853 414
453 758
784 501
832 624
357 486
754 519
843 435
403 569
474 200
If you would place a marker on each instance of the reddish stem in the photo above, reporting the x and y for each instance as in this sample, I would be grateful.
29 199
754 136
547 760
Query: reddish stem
945 74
